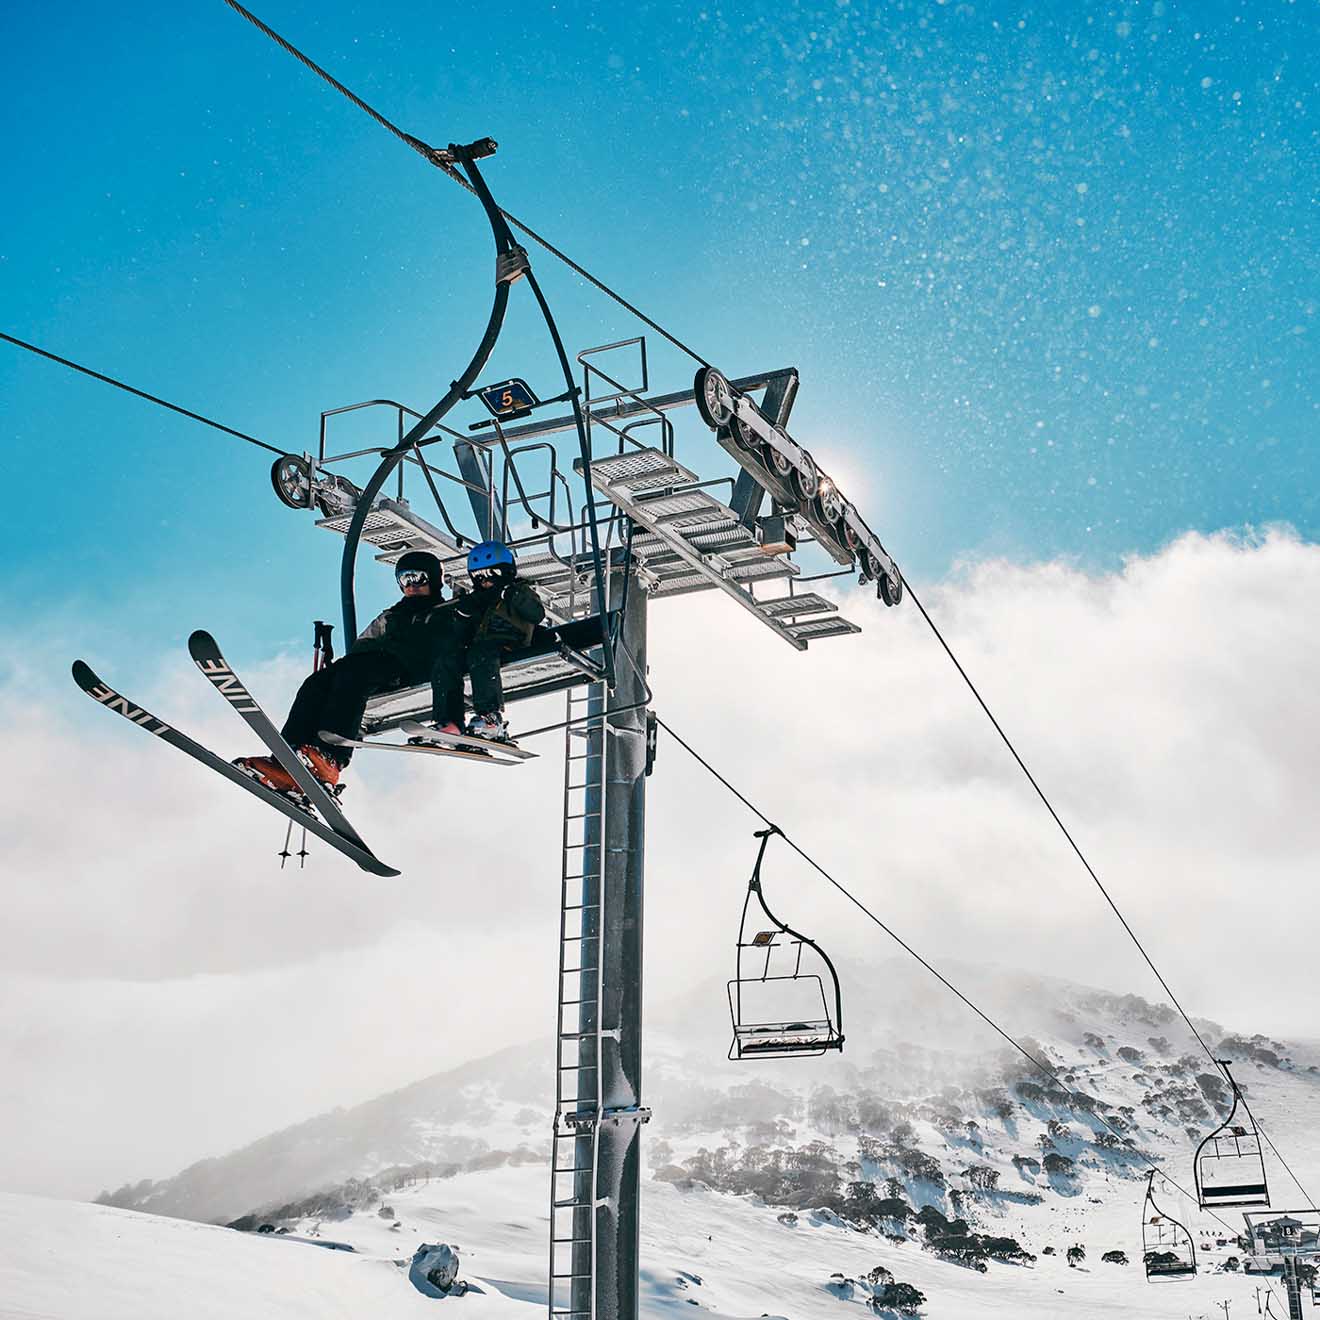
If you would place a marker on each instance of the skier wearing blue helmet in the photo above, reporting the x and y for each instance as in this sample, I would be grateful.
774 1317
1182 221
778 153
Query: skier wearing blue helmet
491 555
498 615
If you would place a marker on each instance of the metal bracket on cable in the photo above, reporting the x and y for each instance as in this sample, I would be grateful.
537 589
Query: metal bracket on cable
477 150
511 266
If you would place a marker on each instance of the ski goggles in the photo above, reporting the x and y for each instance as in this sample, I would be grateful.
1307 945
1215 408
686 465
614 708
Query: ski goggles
413 577
483 577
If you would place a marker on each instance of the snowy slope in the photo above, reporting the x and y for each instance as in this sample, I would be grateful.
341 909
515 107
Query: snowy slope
62 1260
727 1255
758 1174
733 1256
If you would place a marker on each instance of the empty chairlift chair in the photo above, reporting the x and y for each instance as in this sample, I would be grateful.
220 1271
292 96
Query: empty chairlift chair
1166 1246
1230 1168
785 998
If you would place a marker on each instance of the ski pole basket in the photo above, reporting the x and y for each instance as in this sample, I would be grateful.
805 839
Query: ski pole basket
1229 1165
1166 1246
785 998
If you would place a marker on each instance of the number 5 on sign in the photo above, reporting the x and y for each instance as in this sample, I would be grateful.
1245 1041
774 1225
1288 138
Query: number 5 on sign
508 398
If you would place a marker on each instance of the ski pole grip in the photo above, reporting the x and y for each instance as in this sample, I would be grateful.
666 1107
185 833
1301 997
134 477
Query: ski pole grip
322 642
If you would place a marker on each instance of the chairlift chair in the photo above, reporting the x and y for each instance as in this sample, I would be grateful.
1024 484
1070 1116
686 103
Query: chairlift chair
779 1007
1229 1164
1167 1250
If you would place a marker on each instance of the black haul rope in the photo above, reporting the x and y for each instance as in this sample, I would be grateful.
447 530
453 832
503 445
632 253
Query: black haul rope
1040 1065
1090 870
141 394
445 161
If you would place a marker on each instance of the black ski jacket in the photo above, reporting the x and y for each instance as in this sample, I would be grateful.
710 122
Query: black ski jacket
506 613
411 630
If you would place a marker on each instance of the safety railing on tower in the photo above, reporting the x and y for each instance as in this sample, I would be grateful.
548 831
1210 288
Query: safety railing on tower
506 475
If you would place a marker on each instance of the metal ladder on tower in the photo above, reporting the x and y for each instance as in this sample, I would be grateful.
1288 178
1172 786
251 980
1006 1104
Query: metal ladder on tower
573 1163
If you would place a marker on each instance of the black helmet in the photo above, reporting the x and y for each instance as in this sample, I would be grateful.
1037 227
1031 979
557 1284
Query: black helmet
422 561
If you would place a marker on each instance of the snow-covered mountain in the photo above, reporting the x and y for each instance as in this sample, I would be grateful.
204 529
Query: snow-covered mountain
765 1180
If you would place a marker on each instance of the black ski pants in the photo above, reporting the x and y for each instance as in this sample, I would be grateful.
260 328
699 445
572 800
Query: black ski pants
335 699
481 659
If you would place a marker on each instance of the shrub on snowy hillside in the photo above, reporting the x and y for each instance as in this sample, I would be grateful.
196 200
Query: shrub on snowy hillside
1006 1249
997 1103
983 1178
1213 1088
902 1153
1259 1049
897 1299
831 1113
953 1239
888 1295
865 1204
804 1177
918 1165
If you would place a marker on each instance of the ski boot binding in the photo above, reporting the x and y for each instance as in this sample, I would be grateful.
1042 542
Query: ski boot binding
491 728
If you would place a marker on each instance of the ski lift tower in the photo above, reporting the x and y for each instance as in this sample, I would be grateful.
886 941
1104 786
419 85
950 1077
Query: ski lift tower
646 526
663 531
1291 1239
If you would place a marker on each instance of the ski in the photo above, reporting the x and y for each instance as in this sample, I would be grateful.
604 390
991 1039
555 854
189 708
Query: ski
431 735
428 749
120 705
206 654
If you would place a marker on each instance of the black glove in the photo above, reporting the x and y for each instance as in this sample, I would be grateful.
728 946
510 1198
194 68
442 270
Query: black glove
524 604
473 604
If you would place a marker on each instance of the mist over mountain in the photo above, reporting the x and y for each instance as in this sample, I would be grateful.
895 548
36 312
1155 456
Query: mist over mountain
923 1091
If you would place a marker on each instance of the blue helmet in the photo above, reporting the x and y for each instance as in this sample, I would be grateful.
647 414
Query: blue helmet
491 554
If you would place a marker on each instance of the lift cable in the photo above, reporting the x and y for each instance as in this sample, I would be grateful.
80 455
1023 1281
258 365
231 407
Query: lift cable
207 421
442 160
1039 1064
422 149
1090 870
141 394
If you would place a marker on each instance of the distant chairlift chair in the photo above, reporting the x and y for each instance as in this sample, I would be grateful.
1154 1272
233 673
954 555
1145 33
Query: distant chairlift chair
778 1008
1166 1246
1229 1165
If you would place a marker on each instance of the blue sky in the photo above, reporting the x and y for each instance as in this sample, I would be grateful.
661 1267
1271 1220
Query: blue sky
1049 272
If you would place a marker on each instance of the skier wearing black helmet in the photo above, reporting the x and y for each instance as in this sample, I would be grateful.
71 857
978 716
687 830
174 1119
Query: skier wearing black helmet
397 648
498 615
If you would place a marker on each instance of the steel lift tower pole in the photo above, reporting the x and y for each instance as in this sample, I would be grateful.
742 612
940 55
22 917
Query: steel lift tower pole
596 1170
681 538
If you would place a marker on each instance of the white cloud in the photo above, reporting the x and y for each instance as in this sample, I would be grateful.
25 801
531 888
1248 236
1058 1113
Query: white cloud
170 993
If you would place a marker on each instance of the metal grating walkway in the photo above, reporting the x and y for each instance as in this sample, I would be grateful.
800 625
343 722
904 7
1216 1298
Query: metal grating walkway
689 541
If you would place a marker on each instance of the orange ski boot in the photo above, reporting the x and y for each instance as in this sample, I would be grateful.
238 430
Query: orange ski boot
268 772
323 766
